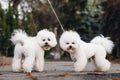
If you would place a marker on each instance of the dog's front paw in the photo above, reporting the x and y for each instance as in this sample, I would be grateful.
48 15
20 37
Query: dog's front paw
77 69
39 69
16 70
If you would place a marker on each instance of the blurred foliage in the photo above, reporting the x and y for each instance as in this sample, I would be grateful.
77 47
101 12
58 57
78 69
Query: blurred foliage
92 17
8 22
88 17
6 27
112 23
83 16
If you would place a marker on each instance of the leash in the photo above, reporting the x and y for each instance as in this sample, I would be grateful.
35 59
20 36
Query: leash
56 15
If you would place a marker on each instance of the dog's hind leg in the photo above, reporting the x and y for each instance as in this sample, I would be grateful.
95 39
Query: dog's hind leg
16 63
102 63
29 62
92 60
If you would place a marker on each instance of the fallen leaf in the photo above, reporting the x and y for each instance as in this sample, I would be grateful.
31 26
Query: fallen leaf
28 74
33 78
116 79
5 61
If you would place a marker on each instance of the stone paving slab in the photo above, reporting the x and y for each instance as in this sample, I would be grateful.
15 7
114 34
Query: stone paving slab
62 70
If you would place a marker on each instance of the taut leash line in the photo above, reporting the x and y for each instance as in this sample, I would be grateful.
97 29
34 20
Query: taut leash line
55 15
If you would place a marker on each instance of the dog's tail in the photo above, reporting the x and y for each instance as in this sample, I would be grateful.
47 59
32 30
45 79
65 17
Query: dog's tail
104 41
18 36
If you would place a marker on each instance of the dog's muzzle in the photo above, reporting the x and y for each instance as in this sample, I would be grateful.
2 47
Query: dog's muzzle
46 46
70 49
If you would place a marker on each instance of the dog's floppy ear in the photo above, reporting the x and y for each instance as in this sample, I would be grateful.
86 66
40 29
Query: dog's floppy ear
54 41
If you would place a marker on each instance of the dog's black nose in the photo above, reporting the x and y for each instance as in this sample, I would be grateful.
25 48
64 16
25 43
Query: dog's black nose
46 43
70 46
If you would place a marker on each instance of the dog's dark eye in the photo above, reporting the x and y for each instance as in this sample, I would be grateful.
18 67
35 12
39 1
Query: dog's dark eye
67 43
73 43
43 39
48 39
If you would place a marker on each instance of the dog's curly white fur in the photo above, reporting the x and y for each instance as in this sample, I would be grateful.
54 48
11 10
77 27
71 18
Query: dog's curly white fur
99 46
32 48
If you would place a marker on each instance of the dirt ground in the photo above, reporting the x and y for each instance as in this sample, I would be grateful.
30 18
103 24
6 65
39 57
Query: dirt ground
60 70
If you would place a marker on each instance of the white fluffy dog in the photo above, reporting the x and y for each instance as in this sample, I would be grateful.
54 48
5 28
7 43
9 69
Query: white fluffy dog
79 50
32 48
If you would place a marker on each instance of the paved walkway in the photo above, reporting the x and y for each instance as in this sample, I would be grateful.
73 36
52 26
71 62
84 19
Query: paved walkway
62 71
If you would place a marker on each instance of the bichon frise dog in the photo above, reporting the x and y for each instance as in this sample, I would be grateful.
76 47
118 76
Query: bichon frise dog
32 48
98 48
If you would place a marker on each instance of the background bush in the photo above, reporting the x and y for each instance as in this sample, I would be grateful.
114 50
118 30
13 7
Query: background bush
88 17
